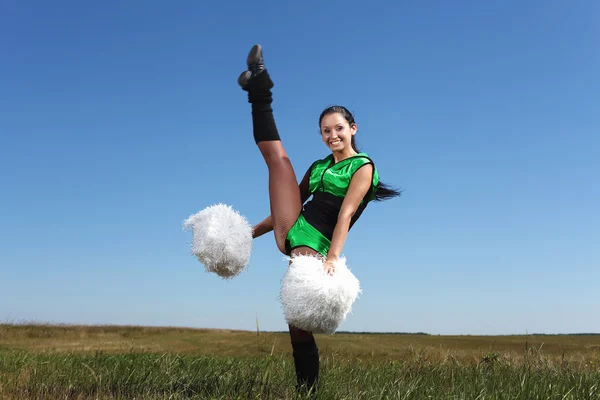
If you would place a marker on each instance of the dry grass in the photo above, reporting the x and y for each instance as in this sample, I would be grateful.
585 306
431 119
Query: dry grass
125 362
218 342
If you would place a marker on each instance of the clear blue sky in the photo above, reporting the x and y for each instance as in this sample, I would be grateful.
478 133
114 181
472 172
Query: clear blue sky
118 120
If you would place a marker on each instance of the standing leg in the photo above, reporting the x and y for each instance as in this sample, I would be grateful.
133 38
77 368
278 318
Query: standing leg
284 193
305 350
306 358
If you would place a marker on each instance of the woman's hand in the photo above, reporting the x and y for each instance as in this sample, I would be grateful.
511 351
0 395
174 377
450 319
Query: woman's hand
329 266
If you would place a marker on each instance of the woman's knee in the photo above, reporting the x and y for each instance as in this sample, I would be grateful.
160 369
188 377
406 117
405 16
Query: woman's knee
273 153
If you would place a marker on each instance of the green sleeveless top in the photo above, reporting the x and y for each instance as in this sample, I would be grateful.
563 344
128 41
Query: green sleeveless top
334 178
328 185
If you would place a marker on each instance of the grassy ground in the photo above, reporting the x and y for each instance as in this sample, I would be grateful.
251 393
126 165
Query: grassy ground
74 362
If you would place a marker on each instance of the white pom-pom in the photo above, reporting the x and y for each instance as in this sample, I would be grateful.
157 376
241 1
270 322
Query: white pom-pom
222 239
314 300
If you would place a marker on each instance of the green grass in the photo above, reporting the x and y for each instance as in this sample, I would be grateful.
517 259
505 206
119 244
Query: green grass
348 371
26 374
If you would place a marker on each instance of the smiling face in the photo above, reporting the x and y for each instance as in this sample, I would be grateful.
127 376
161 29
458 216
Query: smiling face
337 134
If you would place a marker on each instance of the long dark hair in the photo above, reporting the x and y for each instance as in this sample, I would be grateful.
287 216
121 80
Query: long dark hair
384 191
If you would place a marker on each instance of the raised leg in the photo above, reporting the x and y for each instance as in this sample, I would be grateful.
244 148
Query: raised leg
284 194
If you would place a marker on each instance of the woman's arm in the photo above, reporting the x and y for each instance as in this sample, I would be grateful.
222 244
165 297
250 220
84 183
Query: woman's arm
266 225
359 186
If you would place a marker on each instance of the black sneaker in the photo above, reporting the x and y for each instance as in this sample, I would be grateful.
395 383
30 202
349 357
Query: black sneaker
256 65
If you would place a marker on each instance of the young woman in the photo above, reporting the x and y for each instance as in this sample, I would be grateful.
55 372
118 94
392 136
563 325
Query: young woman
342 184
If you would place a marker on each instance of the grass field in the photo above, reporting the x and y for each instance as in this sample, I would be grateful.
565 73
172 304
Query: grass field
113 362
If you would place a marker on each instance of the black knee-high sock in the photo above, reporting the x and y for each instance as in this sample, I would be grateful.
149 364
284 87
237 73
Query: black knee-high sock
306 361
260 96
